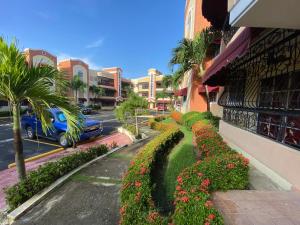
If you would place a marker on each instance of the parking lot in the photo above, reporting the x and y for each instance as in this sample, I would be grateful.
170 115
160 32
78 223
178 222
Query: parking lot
39 146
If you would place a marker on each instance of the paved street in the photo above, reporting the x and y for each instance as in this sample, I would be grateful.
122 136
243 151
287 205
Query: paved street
36 147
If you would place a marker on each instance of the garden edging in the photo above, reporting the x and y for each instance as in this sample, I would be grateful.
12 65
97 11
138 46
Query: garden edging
18 212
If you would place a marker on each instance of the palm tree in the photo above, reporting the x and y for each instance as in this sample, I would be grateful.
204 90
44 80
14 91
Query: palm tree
22 82
77 85
191 54
97 91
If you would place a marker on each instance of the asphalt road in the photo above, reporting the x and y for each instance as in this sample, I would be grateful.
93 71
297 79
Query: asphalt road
36 147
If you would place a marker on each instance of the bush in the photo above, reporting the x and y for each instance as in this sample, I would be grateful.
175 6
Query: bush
45 175
131 128
190 118
221 169
136 198
160 126
177 116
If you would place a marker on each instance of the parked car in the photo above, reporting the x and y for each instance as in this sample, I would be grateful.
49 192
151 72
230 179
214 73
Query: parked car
33 127
162 107
84 109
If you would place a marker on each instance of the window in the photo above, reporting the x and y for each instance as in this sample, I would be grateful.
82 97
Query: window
61 117
213 96
280 92
80 75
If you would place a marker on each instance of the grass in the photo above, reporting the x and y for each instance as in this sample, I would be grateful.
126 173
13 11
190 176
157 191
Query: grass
181 156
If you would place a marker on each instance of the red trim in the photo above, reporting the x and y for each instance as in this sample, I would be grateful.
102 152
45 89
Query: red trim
236 49
202 90
181 92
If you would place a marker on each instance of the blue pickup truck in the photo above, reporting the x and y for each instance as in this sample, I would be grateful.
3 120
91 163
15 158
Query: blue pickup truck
33 127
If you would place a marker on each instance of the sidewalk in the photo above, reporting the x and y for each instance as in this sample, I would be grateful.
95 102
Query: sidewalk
90 197
9 177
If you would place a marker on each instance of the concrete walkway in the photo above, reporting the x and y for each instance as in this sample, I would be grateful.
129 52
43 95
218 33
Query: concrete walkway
90 197
8 177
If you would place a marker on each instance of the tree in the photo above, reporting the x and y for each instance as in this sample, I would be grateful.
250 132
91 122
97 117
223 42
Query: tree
191 54
77 85
22 82
97 91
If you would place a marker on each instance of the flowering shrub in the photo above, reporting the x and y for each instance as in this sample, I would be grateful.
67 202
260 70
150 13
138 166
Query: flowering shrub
220 169
177 116
190 118
136 199
46 174
155 125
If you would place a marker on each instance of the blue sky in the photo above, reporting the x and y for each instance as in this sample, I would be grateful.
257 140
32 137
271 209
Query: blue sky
133 34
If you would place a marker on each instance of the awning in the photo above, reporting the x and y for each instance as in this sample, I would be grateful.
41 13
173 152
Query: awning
181 92
215 11
202 90
235 49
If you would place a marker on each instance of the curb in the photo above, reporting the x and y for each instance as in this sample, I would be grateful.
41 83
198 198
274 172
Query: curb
38 156
29 204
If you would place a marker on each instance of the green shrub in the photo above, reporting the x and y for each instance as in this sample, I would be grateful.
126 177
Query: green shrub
221 169
131 128
136 199
190 118
45 175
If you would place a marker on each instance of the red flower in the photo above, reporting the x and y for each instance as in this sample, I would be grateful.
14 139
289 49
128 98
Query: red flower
208 204
185 199
245 161
138 183
143 171
178 188
122 210
205 182
179 179
153 216
230 165
200 174
182 192
211 216
207 223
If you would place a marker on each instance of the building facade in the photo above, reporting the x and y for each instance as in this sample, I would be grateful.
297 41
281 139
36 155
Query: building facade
260 71
149 87
191 91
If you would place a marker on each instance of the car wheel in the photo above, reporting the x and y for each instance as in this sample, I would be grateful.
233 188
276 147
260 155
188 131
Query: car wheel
30 133
63 140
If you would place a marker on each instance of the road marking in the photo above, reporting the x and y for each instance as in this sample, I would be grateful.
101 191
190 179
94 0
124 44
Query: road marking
5 125
39 156
104 121
42 142
6 140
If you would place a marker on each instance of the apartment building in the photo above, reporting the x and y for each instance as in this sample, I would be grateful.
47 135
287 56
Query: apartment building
259 68
149 86
115 87
191 91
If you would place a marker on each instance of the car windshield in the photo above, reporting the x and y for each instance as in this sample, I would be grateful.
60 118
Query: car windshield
61 117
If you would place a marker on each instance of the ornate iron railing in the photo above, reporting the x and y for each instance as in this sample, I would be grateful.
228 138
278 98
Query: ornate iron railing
262 89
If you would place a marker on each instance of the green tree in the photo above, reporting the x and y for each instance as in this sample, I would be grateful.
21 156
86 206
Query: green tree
77 85
22 82
191 55
97 91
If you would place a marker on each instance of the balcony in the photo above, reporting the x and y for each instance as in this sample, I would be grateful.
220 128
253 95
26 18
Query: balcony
264 13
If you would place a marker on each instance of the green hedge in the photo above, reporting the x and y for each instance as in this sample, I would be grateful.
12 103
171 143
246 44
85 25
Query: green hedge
136 199
190 118
45 175
220 169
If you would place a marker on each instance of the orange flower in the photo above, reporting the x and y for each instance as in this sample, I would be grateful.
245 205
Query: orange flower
143 171
179 179
200 174
205 182
153 216
185 199
211 216
178 188
230 165
138 183
208 204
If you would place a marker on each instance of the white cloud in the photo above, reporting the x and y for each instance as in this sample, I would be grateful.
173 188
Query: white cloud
96 44
87 60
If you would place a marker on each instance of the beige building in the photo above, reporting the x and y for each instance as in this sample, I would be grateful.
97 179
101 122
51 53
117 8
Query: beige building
149 86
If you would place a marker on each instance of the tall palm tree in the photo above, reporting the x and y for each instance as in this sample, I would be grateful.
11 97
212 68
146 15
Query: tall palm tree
22 82
191 54
77 85
97 91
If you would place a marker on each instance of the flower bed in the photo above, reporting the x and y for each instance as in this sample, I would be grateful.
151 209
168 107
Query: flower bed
45 175
136 198
220 169
177 116
155 124
190 118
